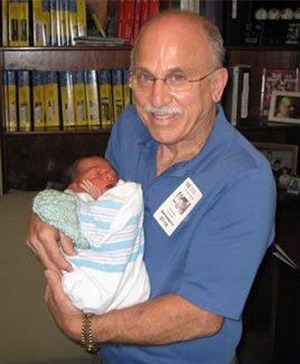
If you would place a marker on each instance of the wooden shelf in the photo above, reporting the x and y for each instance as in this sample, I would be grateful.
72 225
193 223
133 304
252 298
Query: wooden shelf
30 159
64 58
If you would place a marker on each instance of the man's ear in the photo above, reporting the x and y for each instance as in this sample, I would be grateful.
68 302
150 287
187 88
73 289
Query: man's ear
218 85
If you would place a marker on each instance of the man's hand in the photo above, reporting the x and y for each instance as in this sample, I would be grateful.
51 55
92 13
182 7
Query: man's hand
67 317
48 244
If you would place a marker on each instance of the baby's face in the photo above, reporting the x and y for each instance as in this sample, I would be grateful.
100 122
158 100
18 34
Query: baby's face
97 171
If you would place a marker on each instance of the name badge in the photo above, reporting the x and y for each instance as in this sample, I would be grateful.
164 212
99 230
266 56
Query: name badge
177 206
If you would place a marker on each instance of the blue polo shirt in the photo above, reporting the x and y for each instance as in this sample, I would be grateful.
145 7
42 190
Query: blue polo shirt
212 256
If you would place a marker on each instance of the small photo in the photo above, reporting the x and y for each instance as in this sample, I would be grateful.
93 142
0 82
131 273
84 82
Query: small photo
283 160
285 107
294 186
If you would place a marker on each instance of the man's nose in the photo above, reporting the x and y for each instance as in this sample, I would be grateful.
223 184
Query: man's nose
160 93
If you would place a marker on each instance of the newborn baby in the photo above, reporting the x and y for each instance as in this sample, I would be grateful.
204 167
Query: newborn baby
104 218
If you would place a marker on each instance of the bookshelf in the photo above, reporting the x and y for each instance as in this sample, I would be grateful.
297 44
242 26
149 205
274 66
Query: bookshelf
267 309
30 159
262 44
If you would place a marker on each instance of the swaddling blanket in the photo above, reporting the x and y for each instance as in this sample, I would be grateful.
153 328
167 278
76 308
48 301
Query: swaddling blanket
110 274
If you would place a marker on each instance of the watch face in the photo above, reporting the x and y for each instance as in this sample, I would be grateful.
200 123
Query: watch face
286 14
274 14
261 14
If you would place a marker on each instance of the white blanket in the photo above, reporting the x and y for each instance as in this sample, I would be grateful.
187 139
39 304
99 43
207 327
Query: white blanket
110 274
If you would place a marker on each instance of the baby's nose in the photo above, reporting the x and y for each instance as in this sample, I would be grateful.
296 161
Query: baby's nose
110 178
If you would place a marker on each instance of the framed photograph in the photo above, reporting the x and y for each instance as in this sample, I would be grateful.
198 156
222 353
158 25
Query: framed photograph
283 160
294 186
285 107
276 79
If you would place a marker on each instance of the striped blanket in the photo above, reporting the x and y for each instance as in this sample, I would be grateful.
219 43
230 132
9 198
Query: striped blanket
110 273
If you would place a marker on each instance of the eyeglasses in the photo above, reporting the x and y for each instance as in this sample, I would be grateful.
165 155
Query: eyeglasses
176 82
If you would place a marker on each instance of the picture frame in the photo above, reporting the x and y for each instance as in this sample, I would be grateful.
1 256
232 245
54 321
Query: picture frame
294 186
283 160
276 79
285 107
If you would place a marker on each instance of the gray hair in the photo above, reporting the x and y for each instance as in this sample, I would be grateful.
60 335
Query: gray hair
211 31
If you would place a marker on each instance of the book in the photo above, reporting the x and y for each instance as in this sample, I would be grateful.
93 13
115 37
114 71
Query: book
105 98
117 92
24 100
136 20
54 23
94 40
10 100
52 119
23 23
79 99
94 25
72 21
144 14
63 22
38 23
4 23
5 101
236 95
92 100
38 102
126 89
121 18
81 17
154 8
46 30
66 88
13 23
276 79
128 21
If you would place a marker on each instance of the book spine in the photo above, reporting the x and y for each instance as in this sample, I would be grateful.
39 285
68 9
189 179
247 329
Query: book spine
117 91
23 23
79 99
92 100
128 21
126 88
245 94
154 8
67 99
13 23
10 100
52 119
53 22
72 16
38 102
37 29
144 12
24 100
46 21
63 19
5 101
4 13
105 98
137 19
81 17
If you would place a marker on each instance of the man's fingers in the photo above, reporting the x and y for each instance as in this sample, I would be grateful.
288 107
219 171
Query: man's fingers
67 244
45 260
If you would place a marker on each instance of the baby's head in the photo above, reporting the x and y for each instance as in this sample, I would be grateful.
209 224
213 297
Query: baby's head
97 171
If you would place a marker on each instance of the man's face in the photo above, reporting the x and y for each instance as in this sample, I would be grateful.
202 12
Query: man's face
175 116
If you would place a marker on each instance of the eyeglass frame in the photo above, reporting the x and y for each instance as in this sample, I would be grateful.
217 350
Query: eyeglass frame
164 79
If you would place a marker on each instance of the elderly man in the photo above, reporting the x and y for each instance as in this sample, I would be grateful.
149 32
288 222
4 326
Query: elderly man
209 207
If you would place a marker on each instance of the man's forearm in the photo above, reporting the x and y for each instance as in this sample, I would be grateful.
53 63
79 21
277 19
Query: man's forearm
163 320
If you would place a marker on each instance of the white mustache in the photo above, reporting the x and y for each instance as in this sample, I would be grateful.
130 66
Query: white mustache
162 111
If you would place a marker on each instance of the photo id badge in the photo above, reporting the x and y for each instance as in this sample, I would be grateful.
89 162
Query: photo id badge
177 206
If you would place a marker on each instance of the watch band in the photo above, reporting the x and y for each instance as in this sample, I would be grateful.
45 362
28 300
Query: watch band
87 342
